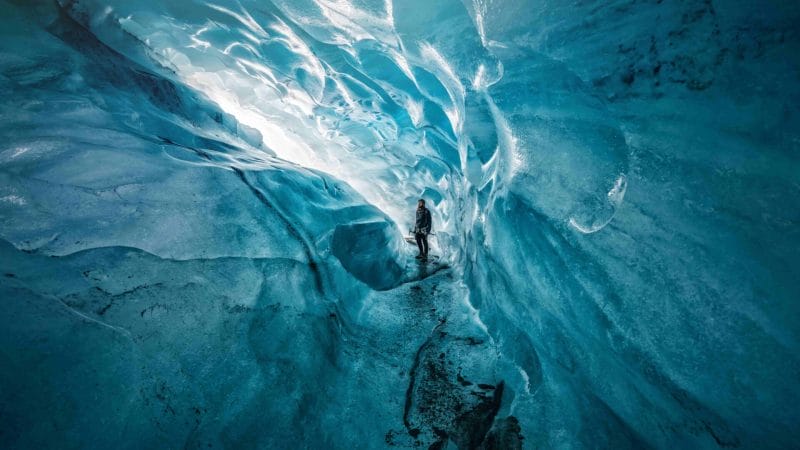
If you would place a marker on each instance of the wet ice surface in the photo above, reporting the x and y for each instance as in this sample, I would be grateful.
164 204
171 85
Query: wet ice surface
205 352
202 211
426 371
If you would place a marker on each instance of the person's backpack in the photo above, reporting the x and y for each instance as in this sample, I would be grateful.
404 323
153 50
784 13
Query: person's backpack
430 220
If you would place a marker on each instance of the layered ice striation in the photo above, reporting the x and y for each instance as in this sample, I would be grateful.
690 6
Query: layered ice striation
203 205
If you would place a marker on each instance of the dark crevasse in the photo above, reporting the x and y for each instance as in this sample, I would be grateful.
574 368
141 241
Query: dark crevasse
203 205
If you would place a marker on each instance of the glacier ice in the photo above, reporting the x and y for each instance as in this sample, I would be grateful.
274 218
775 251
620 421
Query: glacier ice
203 204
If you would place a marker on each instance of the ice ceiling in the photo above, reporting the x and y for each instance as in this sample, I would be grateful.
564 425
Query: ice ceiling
203 204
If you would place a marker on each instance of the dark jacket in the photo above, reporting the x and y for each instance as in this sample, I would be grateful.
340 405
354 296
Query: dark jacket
423 223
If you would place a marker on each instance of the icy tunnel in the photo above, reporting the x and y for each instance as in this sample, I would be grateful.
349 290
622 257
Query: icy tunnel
204 207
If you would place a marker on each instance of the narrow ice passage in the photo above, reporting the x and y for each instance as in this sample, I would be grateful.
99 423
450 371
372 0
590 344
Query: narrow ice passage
204 206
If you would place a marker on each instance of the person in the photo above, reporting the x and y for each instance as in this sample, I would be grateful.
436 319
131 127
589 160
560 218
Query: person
422 226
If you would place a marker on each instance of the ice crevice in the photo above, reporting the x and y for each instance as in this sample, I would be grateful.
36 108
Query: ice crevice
203 207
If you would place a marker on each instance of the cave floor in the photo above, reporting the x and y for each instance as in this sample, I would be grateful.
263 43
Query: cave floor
425 369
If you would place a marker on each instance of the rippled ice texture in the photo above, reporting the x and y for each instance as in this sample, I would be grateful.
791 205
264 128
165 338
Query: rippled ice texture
202 208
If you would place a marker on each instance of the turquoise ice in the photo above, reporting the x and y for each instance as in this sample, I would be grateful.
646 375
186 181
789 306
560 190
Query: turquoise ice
203 207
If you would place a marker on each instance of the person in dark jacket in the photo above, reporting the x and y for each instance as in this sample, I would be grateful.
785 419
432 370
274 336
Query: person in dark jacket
422 226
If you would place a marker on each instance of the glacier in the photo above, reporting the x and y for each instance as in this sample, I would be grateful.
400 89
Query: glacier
203 209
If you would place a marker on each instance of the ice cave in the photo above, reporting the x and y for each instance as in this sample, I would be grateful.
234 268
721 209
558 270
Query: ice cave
208 224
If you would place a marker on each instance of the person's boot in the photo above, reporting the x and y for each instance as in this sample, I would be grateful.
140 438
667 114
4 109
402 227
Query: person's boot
420 256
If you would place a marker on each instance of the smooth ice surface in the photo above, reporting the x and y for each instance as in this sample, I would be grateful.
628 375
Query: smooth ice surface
203 203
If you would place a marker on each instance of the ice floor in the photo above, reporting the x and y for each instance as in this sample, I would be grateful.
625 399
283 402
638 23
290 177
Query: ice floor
411 369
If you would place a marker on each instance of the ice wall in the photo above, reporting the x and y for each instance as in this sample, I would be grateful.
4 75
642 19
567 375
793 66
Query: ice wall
615 185
676 320
159 270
